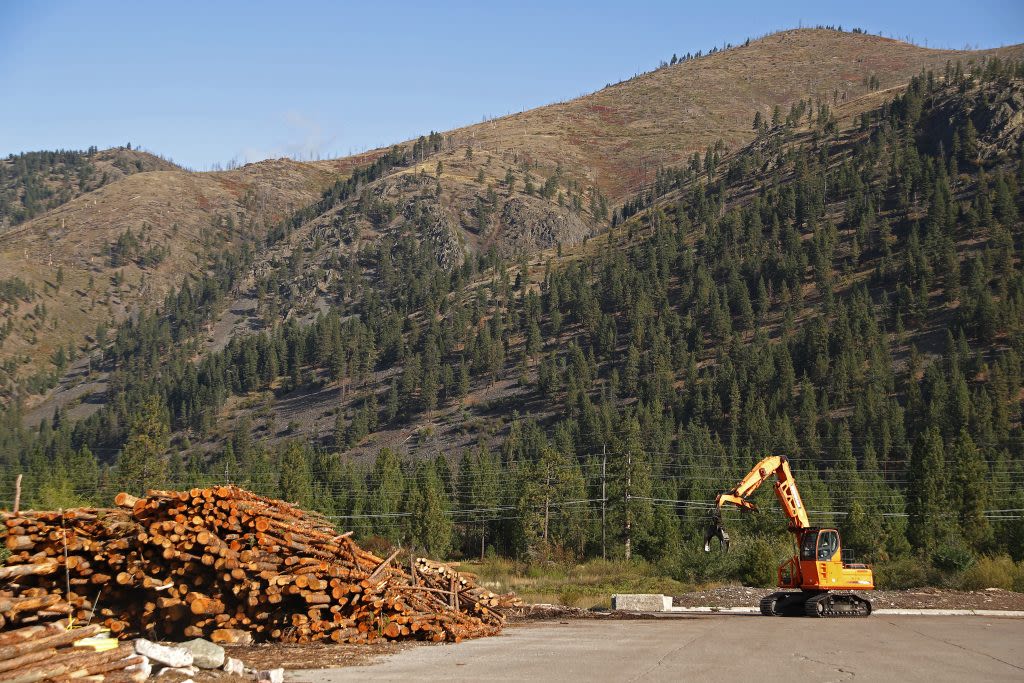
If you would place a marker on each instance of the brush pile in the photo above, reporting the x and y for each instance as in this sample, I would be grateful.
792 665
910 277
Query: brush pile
231 566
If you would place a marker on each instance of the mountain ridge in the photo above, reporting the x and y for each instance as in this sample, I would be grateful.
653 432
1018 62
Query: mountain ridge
710 116
583 157
845 288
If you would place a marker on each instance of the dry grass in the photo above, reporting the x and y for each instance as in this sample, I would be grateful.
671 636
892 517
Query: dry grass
586 585
617 138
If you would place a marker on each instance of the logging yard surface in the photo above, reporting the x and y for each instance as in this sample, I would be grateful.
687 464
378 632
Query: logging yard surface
713 647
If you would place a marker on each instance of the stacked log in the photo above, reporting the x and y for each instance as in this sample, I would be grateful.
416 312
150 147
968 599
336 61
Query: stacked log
462 588
229 565
53 650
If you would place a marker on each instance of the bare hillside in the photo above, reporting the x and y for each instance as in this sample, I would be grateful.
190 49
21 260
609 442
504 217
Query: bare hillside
35 182
617 137
97 258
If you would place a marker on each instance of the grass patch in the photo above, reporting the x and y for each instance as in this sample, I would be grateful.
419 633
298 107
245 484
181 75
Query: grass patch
993 572
586 585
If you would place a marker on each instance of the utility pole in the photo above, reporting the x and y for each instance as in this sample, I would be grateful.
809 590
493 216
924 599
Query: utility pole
629 472
547 500
604 502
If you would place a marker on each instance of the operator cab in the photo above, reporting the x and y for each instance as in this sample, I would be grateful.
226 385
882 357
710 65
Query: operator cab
819 545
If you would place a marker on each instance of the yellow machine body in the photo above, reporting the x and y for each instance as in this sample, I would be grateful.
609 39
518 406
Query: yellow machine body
817 568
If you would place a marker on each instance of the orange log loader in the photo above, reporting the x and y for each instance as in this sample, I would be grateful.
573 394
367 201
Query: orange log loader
819 582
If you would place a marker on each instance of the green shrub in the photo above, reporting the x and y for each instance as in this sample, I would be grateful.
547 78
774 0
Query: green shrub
953 556
569 596
991 572
906 572
693 565
758 564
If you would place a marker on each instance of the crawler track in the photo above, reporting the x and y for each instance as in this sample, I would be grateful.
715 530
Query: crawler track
837 605
819 605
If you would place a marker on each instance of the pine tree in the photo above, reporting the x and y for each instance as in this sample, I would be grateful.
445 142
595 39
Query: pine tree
845 485
391 407
296 482
387 486
433 525
926 492
630 513
970 492
141 464
430 385
485 492
1005 208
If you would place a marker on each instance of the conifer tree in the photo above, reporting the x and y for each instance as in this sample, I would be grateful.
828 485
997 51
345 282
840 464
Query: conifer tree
296 482
433 526
142 463
927 502
970 492
386 489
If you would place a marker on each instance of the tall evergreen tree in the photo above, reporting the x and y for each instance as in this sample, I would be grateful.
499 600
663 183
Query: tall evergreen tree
970 492
296 482
927 502
142 462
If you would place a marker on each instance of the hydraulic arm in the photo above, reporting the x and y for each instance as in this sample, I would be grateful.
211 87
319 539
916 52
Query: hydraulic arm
785 490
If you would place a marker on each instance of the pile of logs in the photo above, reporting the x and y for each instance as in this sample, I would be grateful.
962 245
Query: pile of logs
229 565
54 652
36 643
443 577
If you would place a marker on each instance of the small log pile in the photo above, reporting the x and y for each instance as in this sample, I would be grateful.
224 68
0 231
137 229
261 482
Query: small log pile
53 652
229 565
44 648
462 590
32 606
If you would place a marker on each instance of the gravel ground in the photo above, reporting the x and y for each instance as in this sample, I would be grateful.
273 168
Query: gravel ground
292 656
921 598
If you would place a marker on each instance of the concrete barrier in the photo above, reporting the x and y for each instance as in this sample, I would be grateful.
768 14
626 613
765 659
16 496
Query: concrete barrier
642 602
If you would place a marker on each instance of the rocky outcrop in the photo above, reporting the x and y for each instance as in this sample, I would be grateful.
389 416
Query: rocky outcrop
433 221
532 224
995 110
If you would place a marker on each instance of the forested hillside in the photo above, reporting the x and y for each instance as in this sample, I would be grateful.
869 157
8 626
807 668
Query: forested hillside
35 182
850 296
516 184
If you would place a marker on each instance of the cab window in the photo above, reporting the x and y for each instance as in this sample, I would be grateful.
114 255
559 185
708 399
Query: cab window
807 546
828 544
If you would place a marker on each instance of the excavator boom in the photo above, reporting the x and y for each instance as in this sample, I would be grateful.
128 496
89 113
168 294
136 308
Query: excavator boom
785 490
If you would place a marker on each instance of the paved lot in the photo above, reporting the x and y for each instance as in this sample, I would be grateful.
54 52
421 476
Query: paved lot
716 648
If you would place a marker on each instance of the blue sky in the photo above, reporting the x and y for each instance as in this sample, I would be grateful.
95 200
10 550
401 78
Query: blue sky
207 82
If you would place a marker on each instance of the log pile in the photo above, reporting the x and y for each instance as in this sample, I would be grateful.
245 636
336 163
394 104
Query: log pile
53 652
44 648
229 565
461 588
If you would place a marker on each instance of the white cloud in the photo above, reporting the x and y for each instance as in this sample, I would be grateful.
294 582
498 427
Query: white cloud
303 136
